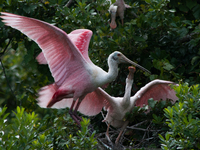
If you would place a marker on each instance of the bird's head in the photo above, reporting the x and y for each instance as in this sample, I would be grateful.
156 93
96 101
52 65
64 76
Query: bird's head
131 72
113 9
113 13
118 58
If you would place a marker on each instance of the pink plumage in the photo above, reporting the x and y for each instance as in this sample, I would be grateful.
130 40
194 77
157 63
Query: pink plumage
156 89
75 76
59 53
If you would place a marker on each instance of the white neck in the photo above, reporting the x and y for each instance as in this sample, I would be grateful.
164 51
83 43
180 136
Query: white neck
112 71
103 77
127 95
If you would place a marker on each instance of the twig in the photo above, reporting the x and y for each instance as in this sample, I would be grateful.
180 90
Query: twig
100 134
4 71
68 3
134 14
187 38
106 146
135 125
122 139
134 128
2 53
7 79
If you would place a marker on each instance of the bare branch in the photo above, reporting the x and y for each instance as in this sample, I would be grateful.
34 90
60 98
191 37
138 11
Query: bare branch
2 53
7 79
68 3
4 71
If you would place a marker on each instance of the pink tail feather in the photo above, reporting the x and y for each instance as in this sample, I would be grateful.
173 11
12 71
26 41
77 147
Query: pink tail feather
45 95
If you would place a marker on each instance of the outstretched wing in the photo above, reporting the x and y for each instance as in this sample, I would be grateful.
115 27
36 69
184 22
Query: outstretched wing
109 101
157 89
92 104
80 39
56 46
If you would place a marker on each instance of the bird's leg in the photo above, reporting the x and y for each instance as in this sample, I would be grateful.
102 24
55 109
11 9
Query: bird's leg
122 129
78 117
122 22
117 139
71 108
73 115
76 109
107 134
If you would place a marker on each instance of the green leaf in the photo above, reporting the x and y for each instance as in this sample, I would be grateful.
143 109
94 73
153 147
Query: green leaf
148 1
183 8
2 111
168 66
196 11
152 102
8 2
137 38
194 59
183 31
153 77
191 3
172 10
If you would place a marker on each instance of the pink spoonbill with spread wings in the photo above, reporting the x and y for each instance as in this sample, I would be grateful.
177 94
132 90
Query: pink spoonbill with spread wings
117 107
115 9
67 57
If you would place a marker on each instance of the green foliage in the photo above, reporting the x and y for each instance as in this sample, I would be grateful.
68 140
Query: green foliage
163 37
18 132
25 131
84 140
183 120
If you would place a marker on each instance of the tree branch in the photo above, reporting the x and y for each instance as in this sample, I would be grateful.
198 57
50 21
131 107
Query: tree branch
4 71
68 3
2 53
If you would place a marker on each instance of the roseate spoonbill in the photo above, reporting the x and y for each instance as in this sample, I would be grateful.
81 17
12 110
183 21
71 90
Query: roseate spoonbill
117 107
67 57
115 9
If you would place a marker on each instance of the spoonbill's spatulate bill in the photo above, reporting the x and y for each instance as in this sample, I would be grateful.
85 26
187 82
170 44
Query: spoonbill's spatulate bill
67 57
117 107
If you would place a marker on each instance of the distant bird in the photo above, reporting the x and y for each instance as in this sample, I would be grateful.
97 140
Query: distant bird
117 107
67 57
115 9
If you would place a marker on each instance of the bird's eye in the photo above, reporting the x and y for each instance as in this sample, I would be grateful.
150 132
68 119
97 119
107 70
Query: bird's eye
118 54
114 58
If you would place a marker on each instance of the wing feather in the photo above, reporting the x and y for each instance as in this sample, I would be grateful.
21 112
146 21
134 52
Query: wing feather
56 46
157 89
76 37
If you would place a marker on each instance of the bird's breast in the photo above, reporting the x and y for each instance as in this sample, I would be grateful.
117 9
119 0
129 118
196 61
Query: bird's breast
98 76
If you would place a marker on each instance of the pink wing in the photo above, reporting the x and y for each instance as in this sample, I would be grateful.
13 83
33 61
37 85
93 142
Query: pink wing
91 105
57 47
106 98
41 59
127 6
80 39
157 89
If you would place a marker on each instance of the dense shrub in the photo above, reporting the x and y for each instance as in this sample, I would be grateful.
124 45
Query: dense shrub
163 37
183 120
26 131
